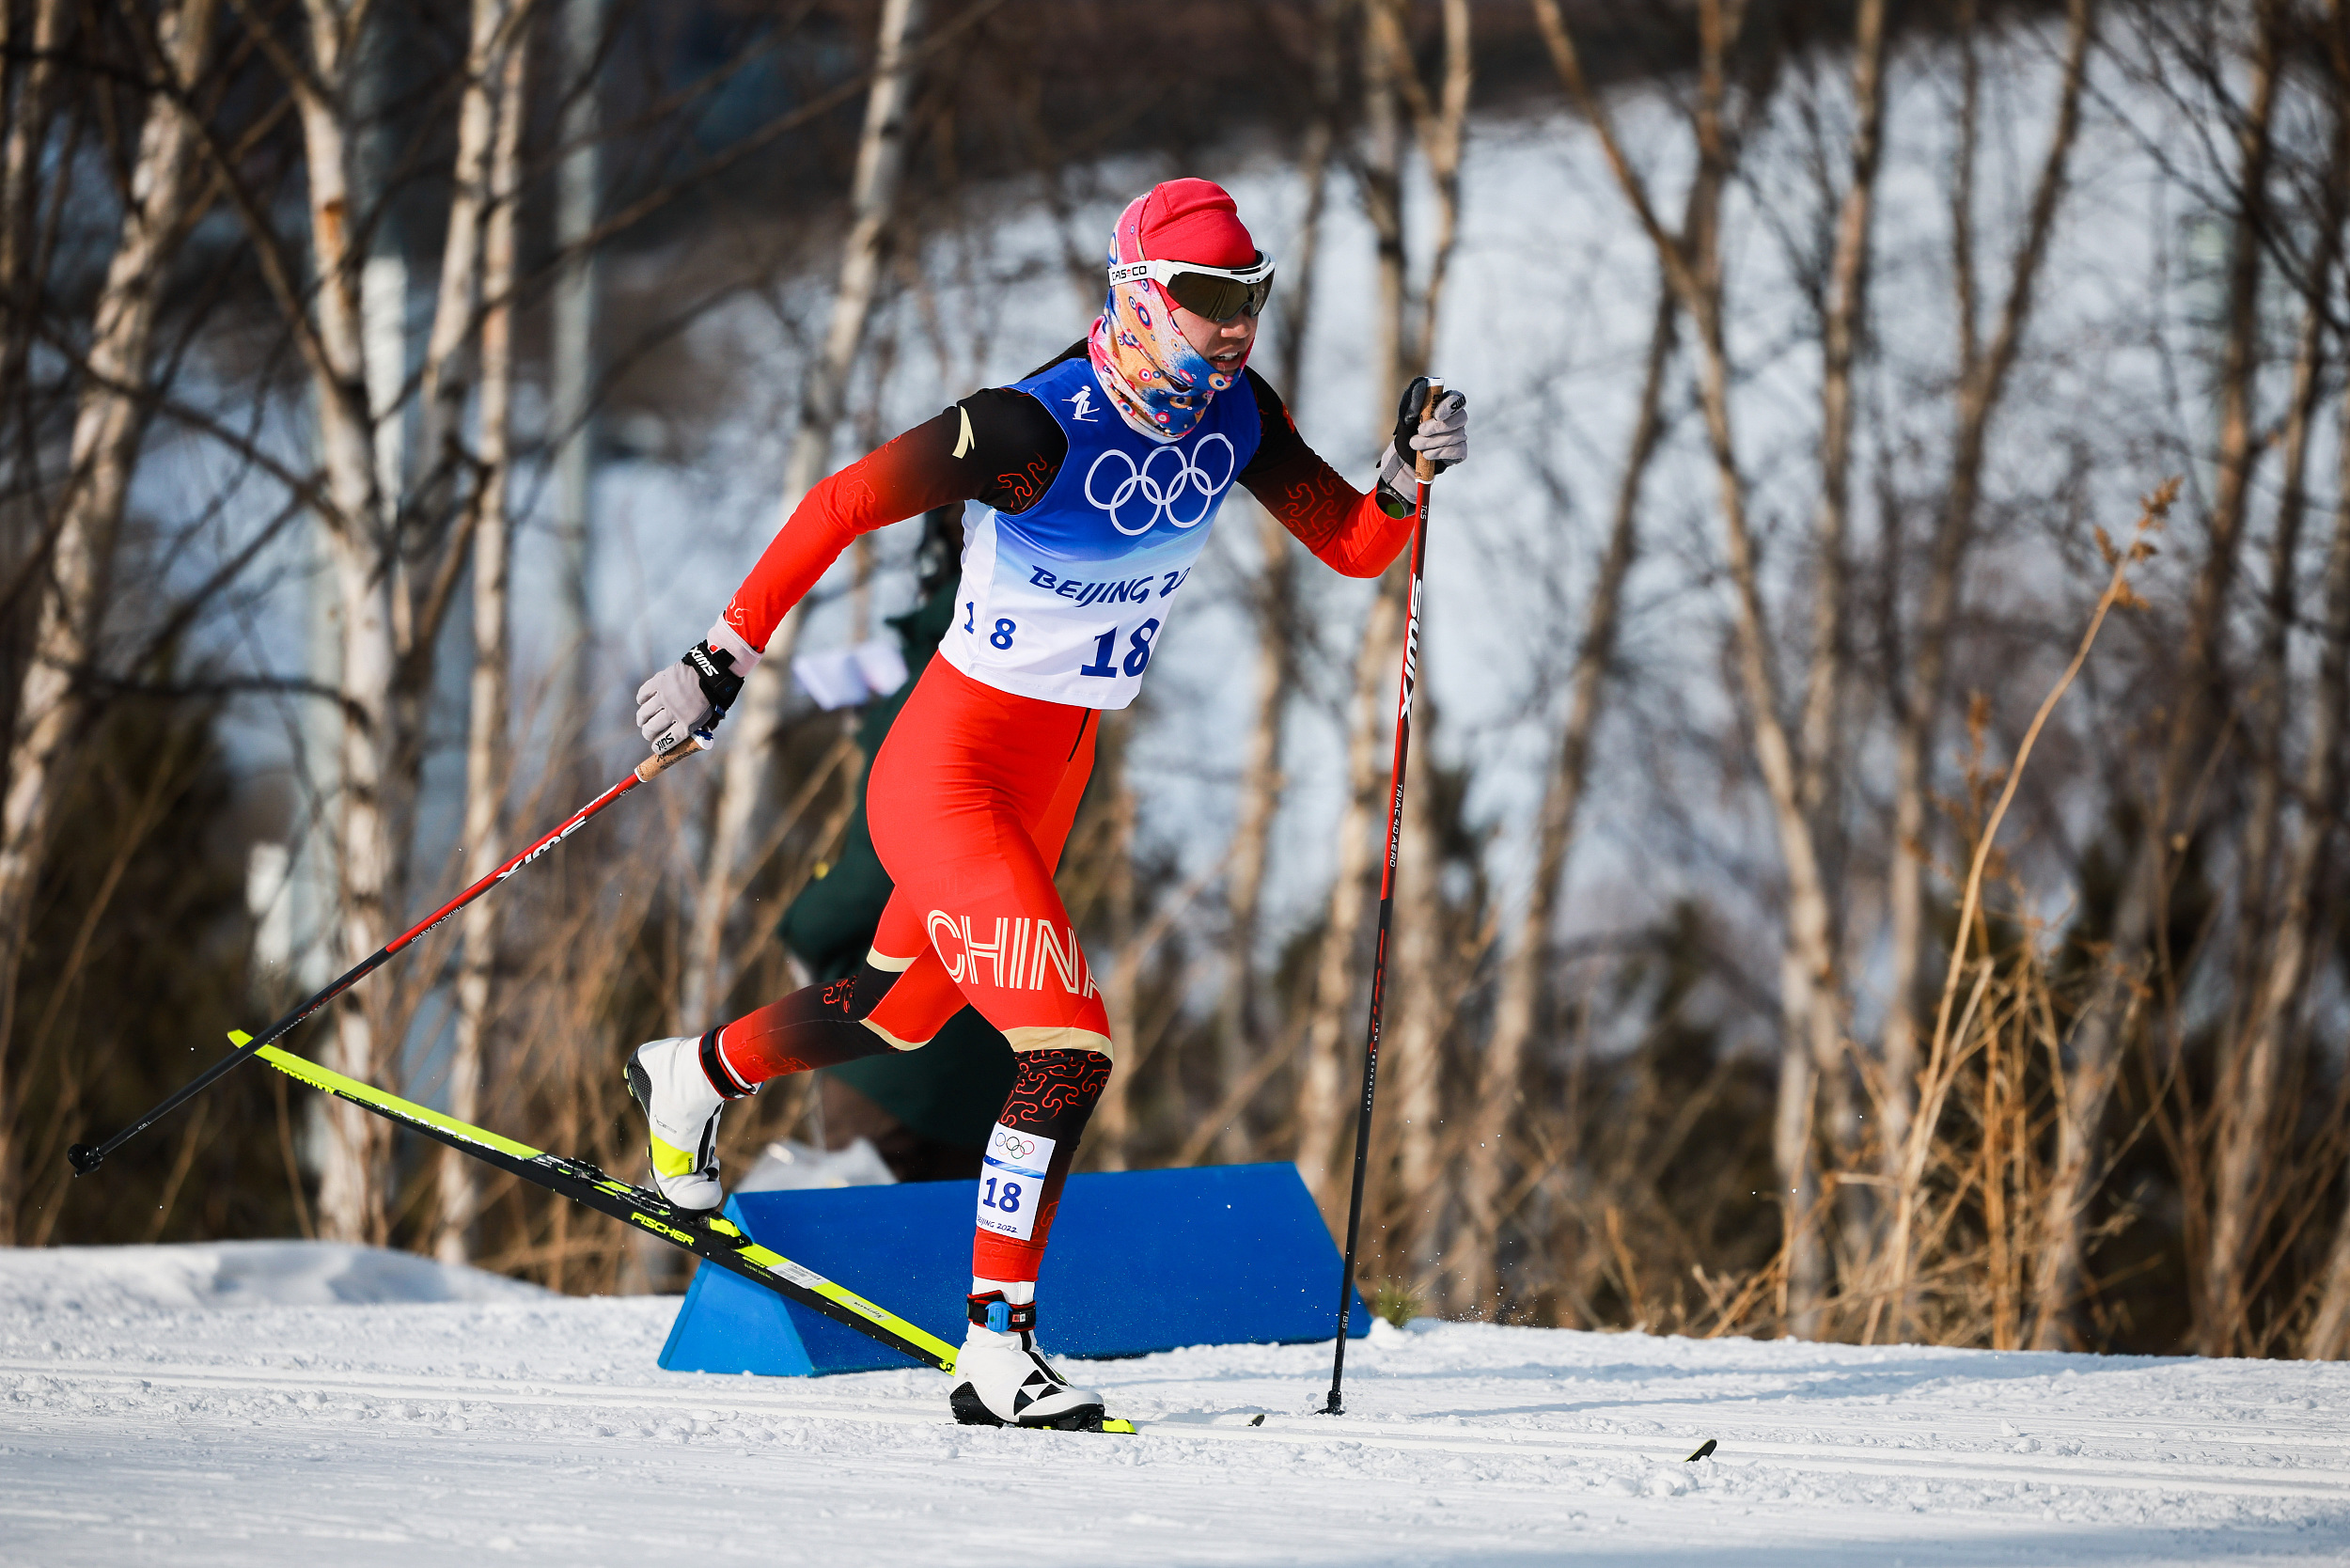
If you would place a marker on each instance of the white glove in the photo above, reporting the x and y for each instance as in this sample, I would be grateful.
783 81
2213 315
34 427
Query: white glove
1443 436
695 693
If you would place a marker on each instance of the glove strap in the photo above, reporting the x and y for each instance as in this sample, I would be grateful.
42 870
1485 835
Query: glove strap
1395 473
714 668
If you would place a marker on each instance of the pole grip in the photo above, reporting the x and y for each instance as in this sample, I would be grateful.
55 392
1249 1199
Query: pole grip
660 762
1423 464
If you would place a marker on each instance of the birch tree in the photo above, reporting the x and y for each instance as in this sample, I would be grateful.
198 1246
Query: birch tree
1390 85
1323 1098
326 321
487 722
109 422
1809 988
571 370
2248 1180
1843 321
430 526
1483 1159
1323 1095
30 111
2194 723
1983 369
444 384
1427 990
2283 980
749 757
1273 601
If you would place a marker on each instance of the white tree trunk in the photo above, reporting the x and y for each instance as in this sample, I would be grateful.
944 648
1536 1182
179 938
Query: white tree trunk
2274 920
2244 1186
353 1151
1808 987
571 371
1275 601
1420 1198
2283 985
106 430
1839 335
1325 1085
1806 972
1260 784
749 752
1326 1093
1982 377
2061 1279
1383 202
383 345
1820 744
487 729
1476 1288
1424 983
1813 1034
442 382
29 114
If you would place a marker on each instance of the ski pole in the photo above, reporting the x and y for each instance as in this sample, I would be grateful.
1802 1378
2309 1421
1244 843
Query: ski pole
85 1158
1426 471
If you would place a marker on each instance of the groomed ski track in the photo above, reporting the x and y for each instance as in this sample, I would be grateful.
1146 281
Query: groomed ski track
136 1427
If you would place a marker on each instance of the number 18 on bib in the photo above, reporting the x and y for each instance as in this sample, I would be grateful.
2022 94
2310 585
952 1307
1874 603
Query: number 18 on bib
1012 1180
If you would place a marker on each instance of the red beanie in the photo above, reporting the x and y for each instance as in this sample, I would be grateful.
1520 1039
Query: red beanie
1194 220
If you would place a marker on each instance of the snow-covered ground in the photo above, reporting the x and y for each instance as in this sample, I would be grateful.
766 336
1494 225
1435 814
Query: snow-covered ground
270 1403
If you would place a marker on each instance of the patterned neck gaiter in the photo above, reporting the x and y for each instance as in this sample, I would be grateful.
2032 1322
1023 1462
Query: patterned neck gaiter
1160 384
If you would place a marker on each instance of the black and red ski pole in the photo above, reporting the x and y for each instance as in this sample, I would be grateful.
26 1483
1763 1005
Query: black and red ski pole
86 1157
1426 470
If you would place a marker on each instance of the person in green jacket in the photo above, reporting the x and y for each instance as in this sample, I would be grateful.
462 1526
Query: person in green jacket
928 1112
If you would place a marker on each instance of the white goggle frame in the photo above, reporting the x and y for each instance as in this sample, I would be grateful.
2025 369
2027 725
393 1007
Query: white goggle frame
1164 273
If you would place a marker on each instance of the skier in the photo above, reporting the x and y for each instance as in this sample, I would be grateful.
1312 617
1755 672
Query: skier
1104 470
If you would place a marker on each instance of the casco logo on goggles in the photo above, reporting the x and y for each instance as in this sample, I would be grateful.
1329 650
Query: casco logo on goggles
1219 293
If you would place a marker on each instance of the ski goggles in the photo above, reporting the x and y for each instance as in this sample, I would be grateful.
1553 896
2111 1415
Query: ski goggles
1219 293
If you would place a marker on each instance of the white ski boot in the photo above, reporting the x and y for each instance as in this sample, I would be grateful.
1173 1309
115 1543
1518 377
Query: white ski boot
668 1077
1001 1380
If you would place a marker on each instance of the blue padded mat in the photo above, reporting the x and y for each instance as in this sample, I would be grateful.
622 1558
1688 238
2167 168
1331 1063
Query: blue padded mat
1140 1261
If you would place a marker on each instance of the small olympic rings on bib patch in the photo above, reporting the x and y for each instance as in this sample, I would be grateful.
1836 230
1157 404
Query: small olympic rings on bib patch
1158 489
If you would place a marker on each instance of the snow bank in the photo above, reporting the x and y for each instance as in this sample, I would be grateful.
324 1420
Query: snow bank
119 1279
536 1430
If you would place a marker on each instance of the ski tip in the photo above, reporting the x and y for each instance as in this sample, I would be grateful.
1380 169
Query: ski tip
1115 1424
240 1038
1704 1448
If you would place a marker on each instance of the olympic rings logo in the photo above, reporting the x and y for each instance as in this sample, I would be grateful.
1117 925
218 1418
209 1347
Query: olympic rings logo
1018 1148
1163 492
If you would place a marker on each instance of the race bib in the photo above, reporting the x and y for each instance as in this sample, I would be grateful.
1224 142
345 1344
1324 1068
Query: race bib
1066 599
1012 1181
